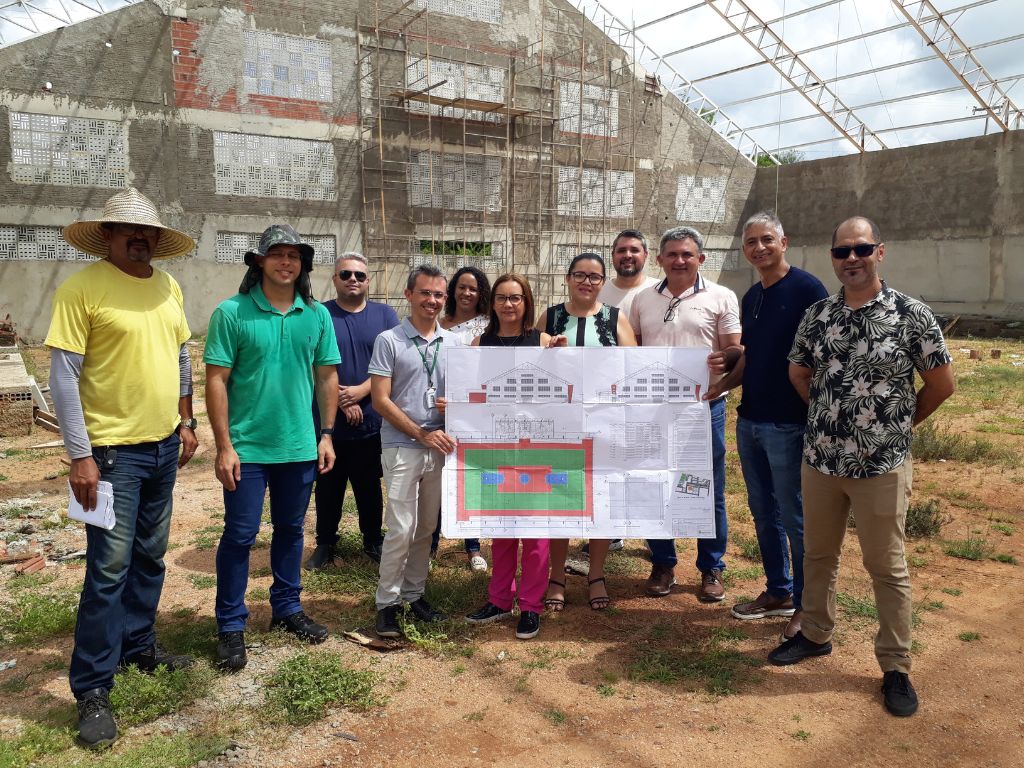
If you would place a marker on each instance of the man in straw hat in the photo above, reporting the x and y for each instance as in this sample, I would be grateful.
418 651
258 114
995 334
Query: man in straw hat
121 379
262 349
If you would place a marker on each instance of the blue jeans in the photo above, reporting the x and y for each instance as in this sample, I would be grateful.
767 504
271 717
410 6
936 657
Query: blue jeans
124 567
290 487
709 551
771 455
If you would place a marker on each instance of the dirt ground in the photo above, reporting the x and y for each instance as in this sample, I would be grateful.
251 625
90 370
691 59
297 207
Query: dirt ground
635 686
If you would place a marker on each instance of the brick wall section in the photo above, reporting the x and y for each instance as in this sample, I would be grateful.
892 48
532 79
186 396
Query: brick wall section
190 94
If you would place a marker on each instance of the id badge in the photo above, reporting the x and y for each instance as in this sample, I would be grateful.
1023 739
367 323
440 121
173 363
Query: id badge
430 398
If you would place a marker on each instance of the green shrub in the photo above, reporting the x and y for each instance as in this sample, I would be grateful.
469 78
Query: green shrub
931 443
925 519
138 697
29 617
304 686
971 548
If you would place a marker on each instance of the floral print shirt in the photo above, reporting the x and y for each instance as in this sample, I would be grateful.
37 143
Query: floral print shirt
863 394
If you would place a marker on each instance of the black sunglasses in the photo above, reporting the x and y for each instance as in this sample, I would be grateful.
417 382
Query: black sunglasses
670 315
862 250
346 274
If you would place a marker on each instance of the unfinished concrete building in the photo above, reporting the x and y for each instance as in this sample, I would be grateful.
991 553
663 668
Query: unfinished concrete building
511 135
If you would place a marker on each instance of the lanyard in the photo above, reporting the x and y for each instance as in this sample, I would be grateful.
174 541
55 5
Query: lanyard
433 363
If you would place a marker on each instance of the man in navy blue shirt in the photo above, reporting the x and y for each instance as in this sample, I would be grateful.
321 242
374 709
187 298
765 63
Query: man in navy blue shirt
357 323
772 416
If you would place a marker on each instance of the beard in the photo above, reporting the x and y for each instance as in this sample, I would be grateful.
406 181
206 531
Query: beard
627 270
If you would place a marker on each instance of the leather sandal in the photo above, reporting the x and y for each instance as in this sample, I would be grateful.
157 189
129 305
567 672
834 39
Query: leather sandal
555 604
601 602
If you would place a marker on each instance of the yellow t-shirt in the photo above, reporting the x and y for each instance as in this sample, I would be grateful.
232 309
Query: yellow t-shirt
130 331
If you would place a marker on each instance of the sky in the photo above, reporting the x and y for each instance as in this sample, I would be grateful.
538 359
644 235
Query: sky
871 94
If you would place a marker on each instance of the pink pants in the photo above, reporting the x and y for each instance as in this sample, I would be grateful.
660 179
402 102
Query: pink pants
533 581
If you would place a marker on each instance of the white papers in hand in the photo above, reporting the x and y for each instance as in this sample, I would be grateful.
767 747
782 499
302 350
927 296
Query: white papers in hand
103 515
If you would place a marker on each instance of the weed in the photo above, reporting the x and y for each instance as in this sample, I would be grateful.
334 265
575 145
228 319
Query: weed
952 591
356 579
32 616
522 684
609 677
931 605
195 635
915 561
202 580
459 669
916 647
747 546
1004 528
971 548
555 716
718 670
963 499
969 637
1002 557
728 635
30 581
857 606
801 735
305 685
14 685
925 519
932 443
660 631
475 717
746 574
138 697
606 690
181 750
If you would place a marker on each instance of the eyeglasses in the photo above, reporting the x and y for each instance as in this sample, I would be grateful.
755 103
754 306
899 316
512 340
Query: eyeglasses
436 295
587 277
861 250
670 313
348 274
515 299
123 228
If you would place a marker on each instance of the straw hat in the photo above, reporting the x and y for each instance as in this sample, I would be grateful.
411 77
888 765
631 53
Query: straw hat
128 207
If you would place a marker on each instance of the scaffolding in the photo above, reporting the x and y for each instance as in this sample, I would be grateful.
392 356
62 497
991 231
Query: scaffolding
505 159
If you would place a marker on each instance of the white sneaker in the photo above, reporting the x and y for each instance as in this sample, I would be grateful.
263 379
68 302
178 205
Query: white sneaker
477 563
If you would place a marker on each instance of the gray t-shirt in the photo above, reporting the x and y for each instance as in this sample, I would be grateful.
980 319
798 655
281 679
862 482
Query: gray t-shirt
403 355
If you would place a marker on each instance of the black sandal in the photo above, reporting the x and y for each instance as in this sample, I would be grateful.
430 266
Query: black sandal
555 604
602 602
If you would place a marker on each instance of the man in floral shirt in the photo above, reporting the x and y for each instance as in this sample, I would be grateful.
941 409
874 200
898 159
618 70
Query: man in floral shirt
853 361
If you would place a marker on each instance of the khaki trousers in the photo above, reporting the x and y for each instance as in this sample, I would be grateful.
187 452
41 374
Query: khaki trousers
879 506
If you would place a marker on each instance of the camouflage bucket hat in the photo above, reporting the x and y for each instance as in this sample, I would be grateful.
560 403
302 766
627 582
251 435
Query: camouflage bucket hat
281 234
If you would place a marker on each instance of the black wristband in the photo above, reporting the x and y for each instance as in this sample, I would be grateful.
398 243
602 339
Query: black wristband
326 431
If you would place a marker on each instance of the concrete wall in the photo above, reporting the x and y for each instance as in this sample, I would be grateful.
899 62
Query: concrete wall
951 215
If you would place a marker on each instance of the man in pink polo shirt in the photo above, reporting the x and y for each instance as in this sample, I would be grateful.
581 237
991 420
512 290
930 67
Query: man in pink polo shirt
685 310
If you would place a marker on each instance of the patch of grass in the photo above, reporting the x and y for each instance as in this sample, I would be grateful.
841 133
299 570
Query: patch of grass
20 582
182 750
952 591
801 735
971 548
931 605
202 580
138 697
969 637
1004 528
307 684
606 690
475 717
1002 557
932 443
719 671
925 519
191 634
14 685
963 499
207 538
728 635
916 561
32 743
857 606
555 716
747 546
356 579
30 616
258 594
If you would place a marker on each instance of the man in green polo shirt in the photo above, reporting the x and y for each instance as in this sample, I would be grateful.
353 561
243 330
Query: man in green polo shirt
264 348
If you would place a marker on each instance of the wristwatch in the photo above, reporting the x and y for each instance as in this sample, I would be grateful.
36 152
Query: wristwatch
190 423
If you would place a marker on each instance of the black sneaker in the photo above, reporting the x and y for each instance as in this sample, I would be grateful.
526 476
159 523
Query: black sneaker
899 695
798 649
490 612
148 660
387 621
424 611
231 650
322 557
303 627
372 551
96 726
528 626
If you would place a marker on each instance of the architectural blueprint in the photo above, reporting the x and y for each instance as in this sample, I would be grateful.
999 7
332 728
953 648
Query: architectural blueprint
577 442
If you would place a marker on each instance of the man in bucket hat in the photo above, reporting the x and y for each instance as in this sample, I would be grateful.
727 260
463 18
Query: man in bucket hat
121 380
262 349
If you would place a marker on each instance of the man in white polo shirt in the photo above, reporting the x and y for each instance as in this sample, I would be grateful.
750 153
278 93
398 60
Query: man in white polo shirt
685 310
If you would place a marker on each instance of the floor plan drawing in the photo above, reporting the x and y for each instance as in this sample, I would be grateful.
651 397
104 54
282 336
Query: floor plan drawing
549 443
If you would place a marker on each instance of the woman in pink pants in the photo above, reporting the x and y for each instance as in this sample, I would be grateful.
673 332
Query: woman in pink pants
511 325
